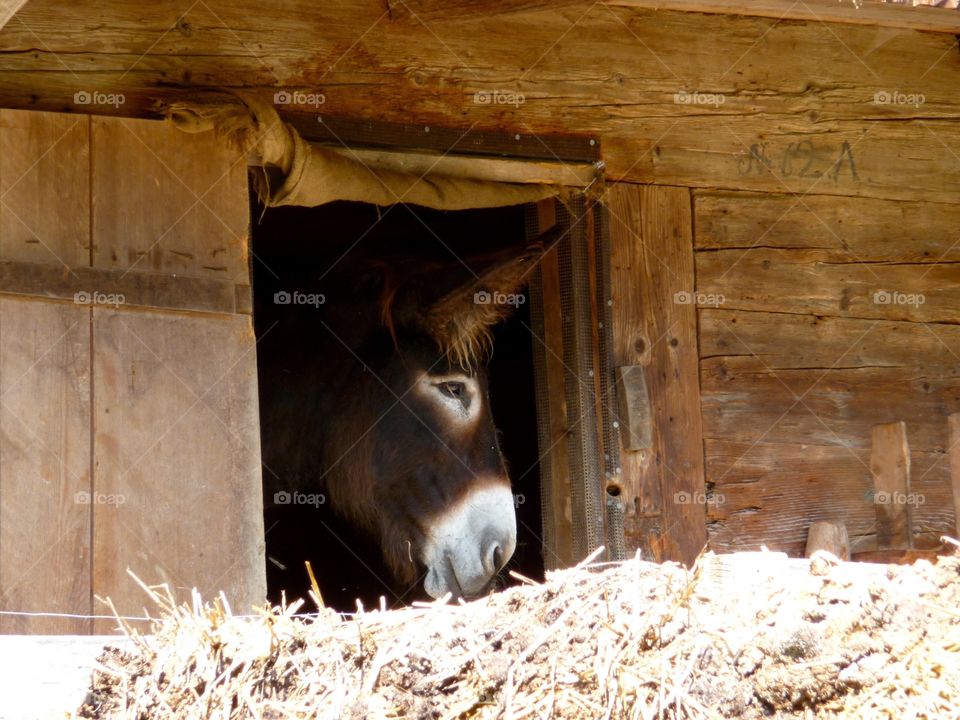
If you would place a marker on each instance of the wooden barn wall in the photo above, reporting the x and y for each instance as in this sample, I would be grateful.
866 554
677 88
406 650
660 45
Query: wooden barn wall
129 436
819 318
674 98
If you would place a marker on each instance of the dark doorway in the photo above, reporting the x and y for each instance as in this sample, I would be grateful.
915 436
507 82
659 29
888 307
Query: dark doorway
306 248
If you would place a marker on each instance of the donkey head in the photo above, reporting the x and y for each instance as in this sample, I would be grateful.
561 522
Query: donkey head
414 459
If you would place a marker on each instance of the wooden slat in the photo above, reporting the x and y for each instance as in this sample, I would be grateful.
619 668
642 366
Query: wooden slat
890 467
169 202
558 515
177 439
85 286
867 12
652 261
776 340
770 493
815 282
826 407
45 501
954 453
44 188
632 344
848 229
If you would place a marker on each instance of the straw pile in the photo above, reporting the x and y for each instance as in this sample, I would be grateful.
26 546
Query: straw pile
746 636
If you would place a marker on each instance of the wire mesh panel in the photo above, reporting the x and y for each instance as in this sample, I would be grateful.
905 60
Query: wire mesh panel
582 509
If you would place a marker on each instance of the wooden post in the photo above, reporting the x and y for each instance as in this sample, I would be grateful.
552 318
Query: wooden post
829 536
890 466
954 450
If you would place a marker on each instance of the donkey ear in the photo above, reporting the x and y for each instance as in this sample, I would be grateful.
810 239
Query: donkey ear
460 320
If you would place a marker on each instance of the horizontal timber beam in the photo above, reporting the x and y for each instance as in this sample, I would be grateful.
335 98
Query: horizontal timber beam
123 288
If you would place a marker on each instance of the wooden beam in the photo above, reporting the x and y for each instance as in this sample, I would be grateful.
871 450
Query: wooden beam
890 467
868 12
9 8
715 118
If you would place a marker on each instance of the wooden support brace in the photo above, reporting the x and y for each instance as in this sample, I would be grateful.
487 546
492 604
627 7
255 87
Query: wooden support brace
633 409
829 536
890 466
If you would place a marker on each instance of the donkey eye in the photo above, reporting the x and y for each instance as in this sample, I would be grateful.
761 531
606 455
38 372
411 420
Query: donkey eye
455 390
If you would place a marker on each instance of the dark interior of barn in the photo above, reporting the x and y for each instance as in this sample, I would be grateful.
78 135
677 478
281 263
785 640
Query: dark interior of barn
305 249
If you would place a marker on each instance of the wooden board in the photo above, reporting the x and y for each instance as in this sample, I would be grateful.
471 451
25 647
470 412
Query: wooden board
176 437
777 340
45 188
866 12
815 282
167 201
955 469
768 494
651 262
9 8
798 114
45 490
848 229
890 468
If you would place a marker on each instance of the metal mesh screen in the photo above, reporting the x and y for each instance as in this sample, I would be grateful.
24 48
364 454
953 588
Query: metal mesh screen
592 434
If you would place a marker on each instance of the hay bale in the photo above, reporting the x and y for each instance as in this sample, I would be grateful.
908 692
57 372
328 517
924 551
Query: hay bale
747 636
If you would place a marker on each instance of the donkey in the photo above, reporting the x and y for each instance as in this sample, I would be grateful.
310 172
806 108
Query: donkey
387 405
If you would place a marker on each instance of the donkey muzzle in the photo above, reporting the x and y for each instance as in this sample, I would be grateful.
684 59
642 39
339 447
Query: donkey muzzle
470 543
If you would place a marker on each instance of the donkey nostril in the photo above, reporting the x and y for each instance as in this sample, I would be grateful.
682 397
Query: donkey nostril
497 558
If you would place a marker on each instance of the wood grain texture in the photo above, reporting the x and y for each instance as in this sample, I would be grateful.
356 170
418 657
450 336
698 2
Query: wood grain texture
177 443
798 110
814 282
954 421
45 500
45 188
777 341
768 494
167 201
890 467
651 262
845 229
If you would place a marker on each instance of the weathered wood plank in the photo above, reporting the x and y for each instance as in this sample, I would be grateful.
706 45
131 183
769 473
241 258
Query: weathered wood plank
826 407
851 229
814 282
48 676
890 467
868 12
778 341
632 345
176 441
770 493
45 488
651 262
94 286
557 510
44 188
773 131
166 201
955 469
